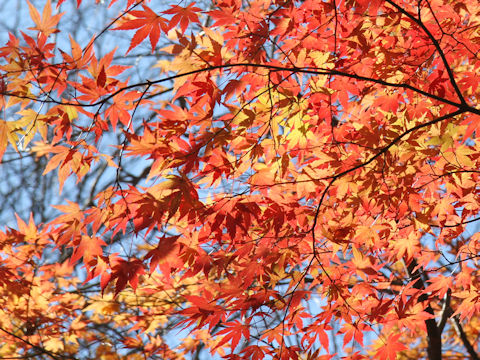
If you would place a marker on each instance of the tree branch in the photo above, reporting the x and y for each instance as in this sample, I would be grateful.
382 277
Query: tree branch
437 47
434 335
461 333
38 348
446 311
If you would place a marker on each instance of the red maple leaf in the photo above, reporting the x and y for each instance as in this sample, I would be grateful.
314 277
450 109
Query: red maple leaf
148 23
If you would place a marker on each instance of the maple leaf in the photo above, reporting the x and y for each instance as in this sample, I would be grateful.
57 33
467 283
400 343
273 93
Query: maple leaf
125 272
233 332
182 15
406 247
88 248
46 23
29 231
164 248
390 349
67 160
79 57
148 24
439 285
352 331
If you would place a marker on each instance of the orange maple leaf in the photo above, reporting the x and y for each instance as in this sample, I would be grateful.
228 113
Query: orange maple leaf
390 348
46 23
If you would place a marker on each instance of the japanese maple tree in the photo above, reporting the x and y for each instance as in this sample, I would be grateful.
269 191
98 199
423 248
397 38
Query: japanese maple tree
262 179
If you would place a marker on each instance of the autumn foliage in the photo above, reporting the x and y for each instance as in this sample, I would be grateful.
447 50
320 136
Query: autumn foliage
284 180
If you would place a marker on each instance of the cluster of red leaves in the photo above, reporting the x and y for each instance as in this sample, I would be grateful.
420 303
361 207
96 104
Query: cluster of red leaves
320 146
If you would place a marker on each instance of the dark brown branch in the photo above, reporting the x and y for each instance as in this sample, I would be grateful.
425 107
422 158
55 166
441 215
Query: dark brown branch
462 223
306 70
461 333
434 335
446 311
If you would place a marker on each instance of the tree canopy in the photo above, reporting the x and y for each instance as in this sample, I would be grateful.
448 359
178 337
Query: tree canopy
261 179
